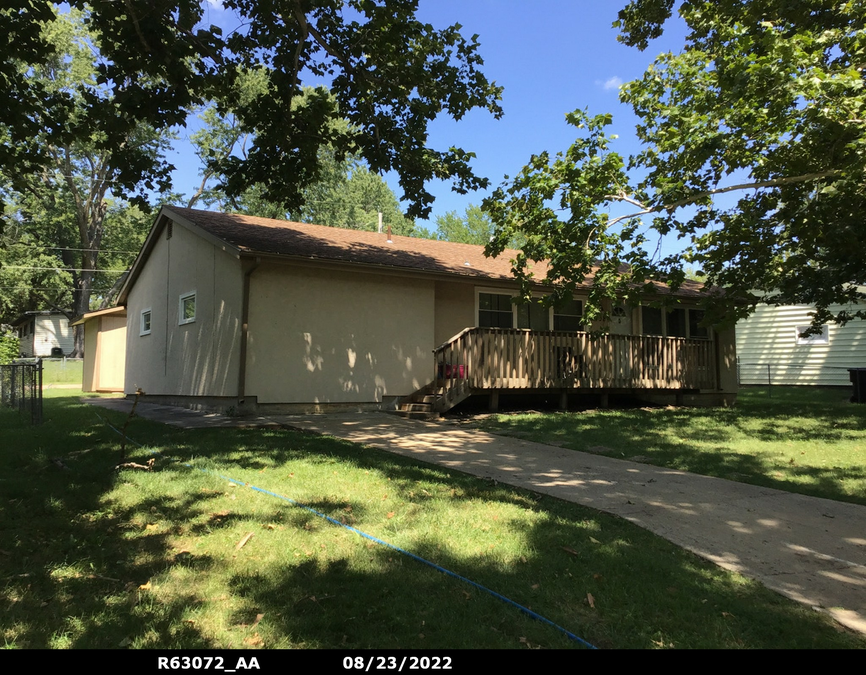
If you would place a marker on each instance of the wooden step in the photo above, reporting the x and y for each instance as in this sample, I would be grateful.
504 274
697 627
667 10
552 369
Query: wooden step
415 414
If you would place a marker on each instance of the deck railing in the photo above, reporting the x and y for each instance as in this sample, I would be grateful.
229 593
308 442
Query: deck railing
513 358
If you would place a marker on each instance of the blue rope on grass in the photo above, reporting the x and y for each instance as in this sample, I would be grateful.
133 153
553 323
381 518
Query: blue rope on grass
334 521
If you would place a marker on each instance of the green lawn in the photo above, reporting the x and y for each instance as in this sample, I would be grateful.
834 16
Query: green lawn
62 371
93 558
802 439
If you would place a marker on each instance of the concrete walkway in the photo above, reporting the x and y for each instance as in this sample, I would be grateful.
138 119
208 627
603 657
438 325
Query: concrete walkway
809 549
179 417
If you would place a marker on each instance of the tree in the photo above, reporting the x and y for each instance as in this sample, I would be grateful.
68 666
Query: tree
349 195
62 214
754 150
345 194
475 227
389 73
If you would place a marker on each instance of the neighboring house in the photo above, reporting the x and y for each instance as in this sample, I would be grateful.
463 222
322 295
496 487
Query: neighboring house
231 311
44 334
772 350
104 349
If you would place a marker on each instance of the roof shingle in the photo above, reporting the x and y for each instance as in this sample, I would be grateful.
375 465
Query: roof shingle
253 235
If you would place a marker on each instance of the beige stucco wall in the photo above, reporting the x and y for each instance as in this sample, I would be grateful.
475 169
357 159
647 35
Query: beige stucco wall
454 309
195 359
320 336
727 352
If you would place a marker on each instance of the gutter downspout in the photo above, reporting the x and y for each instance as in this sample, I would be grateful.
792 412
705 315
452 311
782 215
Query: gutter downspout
249 265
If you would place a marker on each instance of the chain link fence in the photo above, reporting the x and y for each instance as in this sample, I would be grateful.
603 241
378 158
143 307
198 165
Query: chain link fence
21 387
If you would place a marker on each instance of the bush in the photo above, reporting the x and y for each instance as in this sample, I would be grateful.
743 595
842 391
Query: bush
9 348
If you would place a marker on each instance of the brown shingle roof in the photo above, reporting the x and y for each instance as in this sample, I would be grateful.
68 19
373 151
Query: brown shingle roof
250 234
253 235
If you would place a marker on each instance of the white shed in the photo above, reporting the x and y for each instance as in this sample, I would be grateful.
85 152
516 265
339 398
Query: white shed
42 332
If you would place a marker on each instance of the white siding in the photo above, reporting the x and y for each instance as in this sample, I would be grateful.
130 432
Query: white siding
50 331
768 339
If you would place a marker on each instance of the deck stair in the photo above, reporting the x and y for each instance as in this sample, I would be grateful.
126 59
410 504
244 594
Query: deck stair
429 402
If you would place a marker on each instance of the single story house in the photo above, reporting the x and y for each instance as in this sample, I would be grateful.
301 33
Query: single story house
104 349
237 312
772 349
44 334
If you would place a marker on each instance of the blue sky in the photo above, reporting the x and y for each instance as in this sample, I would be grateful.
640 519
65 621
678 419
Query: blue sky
551 56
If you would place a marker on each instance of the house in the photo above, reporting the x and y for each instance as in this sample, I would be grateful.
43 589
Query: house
104 349
772 349
44 334
231 311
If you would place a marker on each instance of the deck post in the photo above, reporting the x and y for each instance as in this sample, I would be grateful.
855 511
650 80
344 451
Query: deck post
563 400
605 400
493 405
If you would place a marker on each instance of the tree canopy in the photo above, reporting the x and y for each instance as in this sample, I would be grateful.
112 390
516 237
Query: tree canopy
60 215
753 157
345 193
474 227
389 75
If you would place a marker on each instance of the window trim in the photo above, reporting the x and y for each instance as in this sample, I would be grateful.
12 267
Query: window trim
812 340
665 313
493 291
141 330
553 315
514 315
186 296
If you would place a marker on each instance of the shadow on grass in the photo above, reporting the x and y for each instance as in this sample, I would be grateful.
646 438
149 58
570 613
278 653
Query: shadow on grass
701 440
77 563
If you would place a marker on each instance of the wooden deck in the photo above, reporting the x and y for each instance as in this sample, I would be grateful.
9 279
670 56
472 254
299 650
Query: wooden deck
496 359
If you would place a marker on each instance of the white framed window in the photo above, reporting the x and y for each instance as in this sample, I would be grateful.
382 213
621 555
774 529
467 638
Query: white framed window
186 309
567 316
144 328
681 322
495 309
822 338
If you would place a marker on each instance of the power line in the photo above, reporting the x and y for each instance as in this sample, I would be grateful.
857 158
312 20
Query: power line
66 248
35 288
58 269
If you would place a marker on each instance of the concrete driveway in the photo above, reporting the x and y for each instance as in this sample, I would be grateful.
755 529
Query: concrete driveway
809 549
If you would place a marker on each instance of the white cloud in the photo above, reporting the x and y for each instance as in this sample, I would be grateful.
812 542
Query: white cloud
612 83
216 4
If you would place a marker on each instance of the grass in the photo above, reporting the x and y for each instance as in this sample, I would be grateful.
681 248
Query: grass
801 439
62 371
93 558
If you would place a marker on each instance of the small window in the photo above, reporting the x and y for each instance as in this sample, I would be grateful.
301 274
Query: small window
567 316
677 323
696 331
495 311
186 311
145 322
651 317
533 315
822 338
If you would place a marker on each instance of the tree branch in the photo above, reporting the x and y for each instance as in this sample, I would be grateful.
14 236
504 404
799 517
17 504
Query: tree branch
137 27
337 55
301 18
709 193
